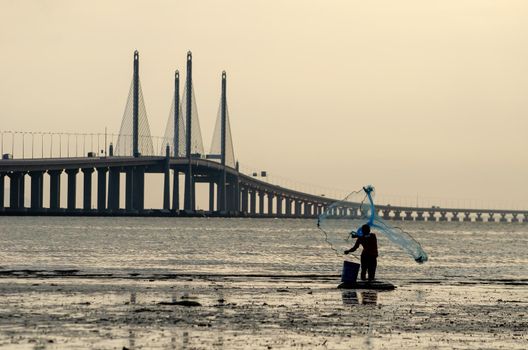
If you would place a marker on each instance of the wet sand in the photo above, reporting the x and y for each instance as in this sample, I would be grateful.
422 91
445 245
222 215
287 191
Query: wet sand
68 309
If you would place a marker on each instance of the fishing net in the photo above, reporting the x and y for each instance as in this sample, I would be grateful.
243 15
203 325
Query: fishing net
342 220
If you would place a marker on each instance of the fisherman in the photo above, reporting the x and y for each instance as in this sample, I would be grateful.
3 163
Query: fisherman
369 254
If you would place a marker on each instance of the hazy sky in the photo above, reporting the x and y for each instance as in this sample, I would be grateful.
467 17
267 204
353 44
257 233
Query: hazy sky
414 97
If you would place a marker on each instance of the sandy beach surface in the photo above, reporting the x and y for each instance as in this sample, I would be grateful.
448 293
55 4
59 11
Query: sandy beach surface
46 303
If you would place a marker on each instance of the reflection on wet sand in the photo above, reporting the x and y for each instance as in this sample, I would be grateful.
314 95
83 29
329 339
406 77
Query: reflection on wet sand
247 313
131 339
180 339
353 297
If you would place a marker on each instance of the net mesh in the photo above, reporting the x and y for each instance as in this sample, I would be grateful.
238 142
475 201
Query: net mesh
216 144
342 220
124 146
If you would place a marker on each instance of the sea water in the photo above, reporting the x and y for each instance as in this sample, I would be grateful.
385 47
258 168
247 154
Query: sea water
458 251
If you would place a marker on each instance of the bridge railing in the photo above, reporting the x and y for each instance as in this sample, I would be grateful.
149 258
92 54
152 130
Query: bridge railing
33 145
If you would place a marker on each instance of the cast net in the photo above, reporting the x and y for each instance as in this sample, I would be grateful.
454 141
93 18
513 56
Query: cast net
342 220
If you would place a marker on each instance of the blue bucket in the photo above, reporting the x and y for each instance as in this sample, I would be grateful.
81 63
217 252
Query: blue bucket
350 272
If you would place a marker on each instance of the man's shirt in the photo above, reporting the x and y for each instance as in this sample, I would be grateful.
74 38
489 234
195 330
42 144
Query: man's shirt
369 243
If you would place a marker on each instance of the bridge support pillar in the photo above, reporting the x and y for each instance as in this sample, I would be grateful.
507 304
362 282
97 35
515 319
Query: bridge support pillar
454 217
491 217
298 208
72 188
503 218
261 203
224 194
288 206
17 190
279 205
101 188
55 188
232 196
2 191
129 189
211 196
14 179
253 202
36 189
307 210
87 188
166 181
397 215
270 203
361 213
138 190
218 189
236 192
244 200
114 179
408 216
189 190
176 190
431 216
479 218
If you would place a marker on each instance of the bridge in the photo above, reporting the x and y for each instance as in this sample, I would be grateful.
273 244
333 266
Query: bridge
132 153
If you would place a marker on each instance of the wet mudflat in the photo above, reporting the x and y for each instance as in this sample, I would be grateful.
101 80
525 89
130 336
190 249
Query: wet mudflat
241 284
251 312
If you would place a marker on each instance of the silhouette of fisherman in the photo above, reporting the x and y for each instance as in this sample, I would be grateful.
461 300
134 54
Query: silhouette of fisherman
369 255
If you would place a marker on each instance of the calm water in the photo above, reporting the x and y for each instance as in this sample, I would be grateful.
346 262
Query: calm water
457 251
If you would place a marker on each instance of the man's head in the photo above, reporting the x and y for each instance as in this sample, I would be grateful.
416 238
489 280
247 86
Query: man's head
365 229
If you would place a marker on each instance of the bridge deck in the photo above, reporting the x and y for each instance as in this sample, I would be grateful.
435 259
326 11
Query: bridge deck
210 169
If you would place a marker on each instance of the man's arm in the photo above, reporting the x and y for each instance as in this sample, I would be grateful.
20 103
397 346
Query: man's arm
353 249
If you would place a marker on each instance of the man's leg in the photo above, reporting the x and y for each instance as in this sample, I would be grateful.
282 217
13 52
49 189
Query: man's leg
372 268
364 266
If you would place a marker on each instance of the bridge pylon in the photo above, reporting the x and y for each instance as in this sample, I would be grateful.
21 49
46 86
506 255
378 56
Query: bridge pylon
189 202
135 110
222 149
134 137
